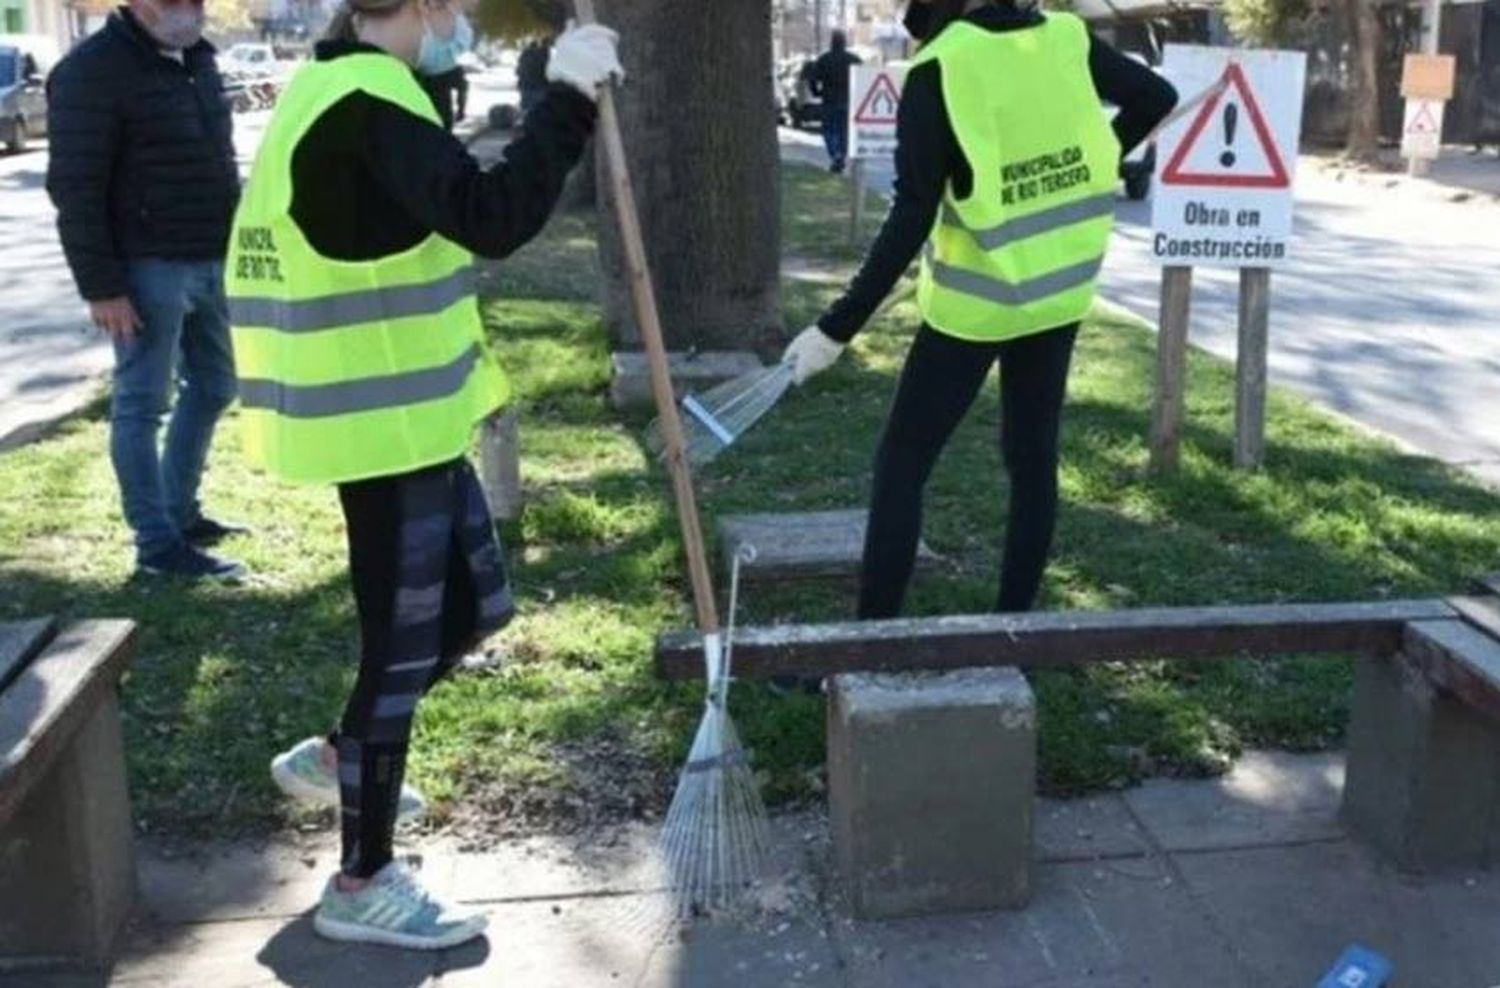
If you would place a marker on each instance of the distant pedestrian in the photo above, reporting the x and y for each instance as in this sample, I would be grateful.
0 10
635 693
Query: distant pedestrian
449 36
830 83
531 73
142 172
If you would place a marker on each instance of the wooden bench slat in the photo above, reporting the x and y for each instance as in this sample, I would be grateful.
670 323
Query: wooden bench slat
20 641
1055 638
52 697
1460 659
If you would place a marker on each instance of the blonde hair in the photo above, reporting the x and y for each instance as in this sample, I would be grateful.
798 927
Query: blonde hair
342 28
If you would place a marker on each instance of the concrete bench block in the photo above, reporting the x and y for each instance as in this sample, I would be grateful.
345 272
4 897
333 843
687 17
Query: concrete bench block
931 781
67 858
630 376
805 545
1423 780
500 463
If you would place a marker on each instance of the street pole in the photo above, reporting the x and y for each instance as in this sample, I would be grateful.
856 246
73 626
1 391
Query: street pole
1432 22
817 26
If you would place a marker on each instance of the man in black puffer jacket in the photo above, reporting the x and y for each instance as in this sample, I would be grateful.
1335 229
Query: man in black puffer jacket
143 176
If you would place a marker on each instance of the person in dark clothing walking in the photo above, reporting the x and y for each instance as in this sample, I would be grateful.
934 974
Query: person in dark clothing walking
531 72
1006 161
829 77
360 197
142 172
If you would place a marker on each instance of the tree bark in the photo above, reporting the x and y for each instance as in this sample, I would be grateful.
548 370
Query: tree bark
1364 120
700 132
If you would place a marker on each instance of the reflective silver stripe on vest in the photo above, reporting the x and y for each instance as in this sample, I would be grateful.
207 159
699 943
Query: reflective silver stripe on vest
1037 223
352 309
1007 293
310 401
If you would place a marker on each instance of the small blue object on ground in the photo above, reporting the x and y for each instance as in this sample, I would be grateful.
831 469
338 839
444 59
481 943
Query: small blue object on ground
1359 967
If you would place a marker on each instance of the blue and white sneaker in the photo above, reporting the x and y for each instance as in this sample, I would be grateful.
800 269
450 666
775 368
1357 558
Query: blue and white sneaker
301 773
396 911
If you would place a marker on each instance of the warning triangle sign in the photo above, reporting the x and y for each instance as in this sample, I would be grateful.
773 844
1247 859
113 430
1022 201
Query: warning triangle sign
1212 157
1422 121
881 102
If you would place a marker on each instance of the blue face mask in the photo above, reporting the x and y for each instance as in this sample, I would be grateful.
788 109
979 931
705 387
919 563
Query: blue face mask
439 55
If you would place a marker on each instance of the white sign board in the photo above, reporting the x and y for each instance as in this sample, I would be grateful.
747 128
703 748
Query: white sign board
1422 134
874 99
1225 169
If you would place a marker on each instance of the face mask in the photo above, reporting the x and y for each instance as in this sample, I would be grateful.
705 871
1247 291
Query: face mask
438 55
178 26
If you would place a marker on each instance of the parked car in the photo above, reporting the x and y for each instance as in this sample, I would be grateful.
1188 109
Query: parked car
24 64
249 60
799 107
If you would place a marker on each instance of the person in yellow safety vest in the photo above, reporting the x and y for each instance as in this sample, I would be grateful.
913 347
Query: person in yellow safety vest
362 363
1006 169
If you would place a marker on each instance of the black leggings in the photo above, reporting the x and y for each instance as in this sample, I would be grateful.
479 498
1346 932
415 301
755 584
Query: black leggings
941 379
428 582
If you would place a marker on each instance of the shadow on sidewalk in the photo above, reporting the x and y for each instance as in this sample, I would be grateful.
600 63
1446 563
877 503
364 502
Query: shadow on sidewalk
299 958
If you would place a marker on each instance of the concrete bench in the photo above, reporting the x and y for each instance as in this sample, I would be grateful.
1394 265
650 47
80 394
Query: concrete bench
67 861
931 774
807 545
630 375
500 463
1423 782
931 783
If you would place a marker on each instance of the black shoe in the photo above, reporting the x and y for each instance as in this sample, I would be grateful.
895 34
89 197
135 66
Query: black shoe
206 532
837 168
189 563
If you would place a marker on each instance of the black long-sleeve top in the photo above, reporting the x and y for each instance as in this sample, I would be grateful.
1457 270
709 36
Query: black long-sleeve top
928 156
371 179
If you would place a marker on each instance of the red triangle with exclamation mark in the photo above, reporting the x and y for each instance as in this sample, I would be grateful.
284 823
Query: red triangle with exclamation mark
1276 178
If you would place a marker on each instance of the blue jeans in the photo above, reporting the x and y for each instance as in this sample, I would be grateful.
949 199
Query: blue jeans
184 340
836 132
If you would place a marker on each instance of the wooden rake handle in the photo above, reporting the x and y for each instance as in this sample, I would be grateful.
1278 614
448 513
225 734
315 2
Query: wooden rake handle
643 293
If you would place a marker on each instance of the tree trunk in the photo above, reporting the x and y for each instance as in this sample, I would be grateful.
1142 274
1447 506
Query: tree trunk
1364 120
700 133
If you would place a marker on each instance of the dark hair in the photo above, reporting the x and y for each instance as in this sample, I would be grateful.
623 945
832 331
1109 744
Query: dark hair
341 27
838 40
925 21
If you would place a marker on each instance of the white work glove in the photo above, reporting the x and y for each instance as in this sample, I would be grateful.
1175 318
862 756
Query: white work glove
585 58
811 353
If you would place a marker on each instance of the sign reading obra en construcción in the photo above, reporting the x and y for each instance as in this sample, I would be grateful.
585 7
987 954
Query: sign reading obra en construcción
1223 193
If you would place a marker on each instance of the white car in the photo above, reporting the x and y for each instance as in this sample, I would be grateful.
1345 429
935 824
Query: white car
249 59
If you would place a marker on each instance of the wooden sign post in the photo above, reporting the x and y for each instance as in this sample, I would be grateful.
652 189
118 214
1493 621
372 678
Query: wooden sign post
1427 83
1224 199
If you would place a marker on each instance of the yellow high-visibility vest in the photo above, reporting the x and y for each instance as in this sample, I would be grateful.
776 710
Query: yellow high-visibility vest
1022 252
350 369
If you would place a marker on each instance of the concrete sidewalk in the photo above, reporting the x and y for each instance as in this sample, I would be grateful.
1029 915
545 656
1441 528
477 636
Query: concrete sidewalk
1241 881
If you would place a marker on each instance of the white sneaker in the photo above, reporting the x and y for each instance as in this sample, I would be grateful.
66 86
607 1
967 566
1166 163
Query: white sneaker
302 774
395 910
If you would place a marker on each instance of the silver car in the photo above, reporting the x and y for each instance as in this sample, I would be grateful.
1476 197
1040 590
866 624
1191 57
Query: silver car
23 97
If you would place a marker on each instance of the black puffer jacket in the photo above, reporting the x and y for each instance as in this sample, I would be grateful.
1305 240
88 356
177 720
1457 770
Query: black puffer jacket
142 156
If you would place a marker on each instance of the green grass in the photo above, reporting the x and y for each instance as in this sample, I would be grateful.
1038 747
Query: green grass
576 725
